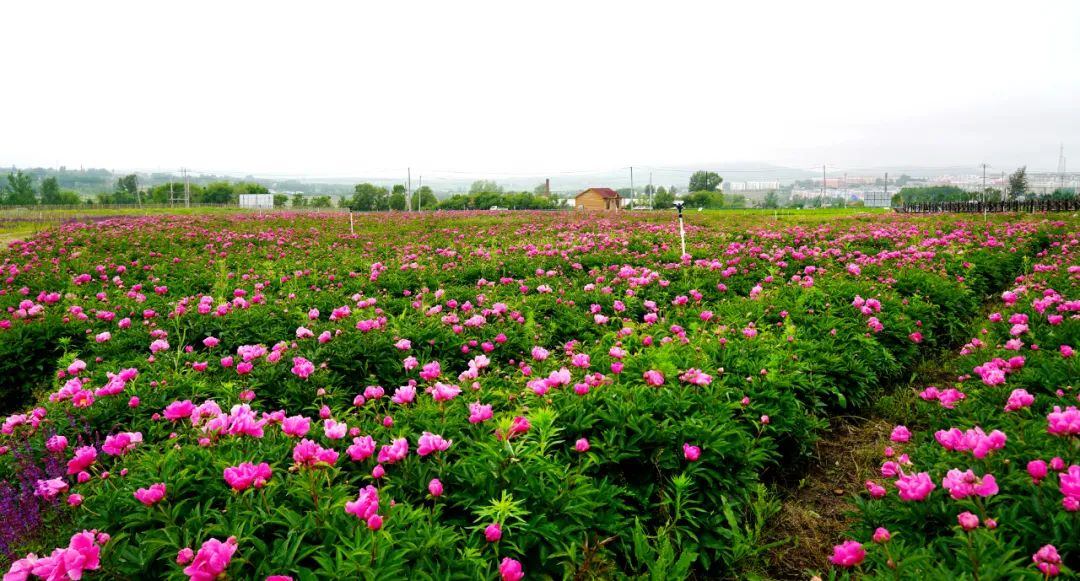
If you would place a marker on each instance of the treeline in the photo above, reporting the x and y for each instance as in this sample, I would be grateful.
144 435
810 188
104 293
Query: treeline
92 181
483 195
23 189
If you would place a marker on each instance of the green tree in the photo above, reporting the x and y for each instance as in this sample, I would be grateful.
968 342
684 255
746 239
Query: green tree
69 198
127 189
485 186
250 188
50 191
299 200
1060 194
1018 183
321 202
20 190
704 199
219 193
368 197
486 200
455 202
280 200
772 200
397 201
663 199
541 190
424 199
705 181
736 201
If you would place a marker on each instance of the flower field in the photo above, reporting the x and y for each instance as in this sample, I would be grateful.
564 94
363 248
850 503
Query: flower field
529 395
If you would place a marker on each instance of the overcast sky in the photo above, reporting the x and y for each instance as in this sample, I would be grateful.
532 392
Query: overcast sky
360 88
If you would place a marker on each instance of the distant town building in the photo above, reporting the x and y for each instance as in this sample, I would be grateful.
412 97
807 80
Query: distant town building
751 186
598 199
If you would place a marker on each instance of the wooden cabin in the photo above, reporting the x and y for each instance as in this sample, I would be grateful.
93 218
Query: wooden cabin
598 199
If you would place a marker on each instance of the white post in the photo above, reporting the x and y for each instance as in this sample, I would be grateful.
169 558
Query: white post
682 236
351 230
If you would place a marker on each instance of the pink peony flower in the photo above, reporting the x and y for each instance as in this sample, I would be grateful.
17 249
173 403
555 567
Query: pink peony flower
900 434
691 453
510 570
914 487
296 426
247 475
366 504
582 445
1047 560
211 560
429 443
121 443
848 554
151 496
493 532
968 521
435 487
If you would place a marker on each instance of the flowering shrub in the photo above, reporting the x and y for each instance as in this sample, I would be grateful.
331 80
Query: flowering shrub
1004 452
509 397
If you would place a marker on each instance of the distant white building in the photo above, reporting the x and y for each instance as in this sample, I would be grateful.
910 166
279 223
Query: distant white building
257 201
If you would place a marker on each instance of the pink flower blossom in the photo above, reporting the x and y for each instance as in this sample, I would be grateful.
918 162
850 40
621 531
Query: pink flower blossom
964 484
582 445
493 532
1019 399
848 554
366 504
914 487
968 521
435 487
653 378
429 443
247 475
211 560
394 452
1063 423
1047 560
121 443
296 426
510 570
479 412
691 453
151 496
50 489
302 368
84 457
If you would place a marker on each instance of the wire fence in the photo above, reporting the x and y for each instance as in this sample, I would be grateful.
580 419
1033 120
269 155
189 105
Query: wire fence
992 207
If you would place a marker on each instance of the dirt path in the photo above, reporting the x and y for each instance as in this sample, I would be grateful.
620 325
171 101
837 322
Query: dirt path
813 513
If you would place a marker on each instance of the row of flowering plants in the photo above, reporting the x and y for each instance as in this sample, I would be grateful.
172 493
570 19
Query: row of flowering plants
463 397
989 485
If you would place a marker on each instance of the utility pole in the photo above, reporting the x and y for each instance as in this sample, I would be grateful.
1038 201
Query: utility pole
984 193
822 186
420 198
1061 166
631 189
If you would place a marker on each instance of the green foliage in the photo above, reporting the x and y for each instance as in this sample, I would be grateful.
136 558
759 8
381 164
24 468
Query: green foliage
704 181
1018 183
19 190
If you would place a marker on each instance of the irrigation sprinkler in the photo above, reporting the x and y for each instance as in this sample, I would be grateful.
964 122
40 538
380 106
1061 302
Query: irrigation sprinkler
682 233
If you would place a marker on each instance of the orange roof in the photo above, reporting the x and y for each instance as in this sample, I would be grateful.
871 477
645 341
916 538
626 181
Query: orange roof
604 193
